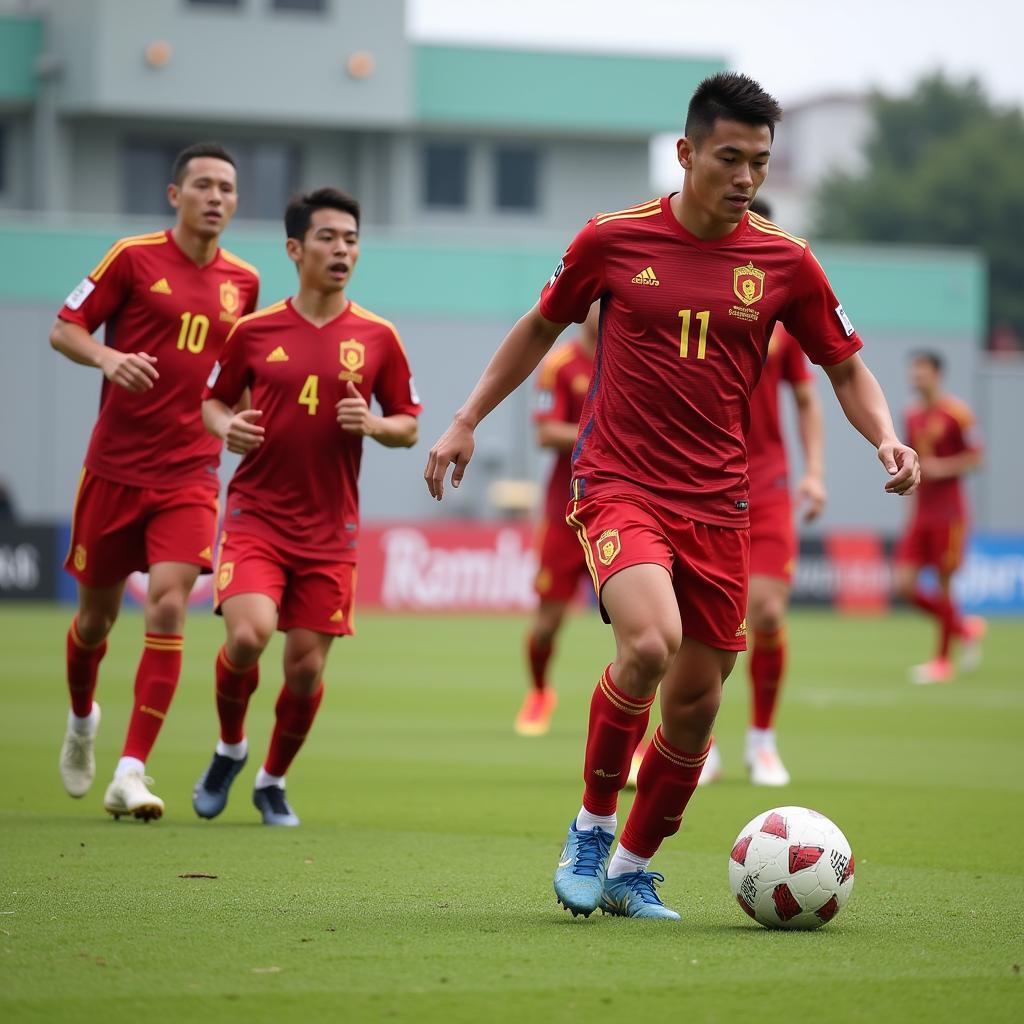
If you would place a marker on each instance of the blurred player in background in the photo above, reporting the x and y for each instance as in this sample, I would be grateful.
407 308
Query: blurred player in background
942 430
690 285
287 554
562 385
147 497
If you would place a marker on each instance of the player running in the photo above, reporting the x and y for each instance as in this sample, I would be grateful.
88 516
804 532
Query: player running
147 496
562 385
690 287
942 430
287 554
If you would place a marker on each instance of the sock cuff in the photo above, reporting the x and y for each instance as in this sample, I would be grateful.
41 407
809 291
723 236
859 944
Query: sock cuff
677 757
770 640
223 661
167 642
79 642
620 700
286 696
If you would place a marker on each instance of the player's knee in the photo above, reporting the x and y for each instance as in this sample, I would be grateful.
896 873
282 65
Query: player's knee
693 716
904 584
303 671
94 624
649 653
247 641
165 611
768 616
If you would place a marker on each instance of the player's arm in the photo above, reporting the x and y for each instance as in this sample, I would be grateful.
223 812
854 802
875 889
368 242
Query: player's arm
227 399
945 467
865 407
399 430
811 427
516 358
133 371
557 434
240 431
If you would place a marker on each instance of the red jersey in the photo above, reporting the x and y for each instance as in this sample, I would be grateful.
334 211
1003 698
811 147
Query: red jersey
562 385
767 465
154 299
946 428
299 488
684 332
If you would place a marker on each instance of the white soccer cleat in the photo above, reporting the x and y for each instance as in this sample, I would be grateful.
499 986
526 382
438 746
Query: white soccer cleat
712 770
938 670
766 768
975 628
77 760
130 795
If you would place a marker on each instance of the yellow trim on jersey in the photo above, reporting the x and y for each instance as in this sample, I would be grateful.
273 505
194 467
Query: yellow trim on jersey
275 307
958 409
74 512
766 226
554 362
638 215
153 238
629 209
365 314
239 262
581 536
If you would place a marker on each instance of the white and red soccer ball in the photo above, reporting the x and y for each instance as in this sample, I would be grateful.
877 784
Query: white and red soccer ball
791 867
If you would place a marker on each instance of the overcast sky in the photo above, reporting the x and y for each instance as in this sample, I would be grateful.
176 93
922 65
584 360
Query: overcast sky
797 49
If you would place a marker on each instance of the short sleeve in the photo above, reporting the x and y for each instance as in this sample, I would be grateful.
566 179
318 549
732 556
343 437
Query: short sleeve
230 375
577 281
254 298
394 387
816 318
795 368
100 295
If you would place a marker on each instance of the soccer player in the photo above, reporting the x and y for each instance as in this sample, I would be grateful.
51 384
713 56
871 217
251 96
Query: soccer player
562 385
690 286
942 430
287 554
147 496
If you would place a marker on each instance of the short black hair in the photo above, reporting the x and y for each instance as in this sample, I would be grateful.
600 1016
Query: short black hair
929 356
762 207
733 97
213 149
299 213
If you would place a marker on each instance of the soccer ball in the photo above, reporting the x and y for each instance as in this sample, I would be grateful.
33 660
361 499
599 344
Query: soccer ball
791 867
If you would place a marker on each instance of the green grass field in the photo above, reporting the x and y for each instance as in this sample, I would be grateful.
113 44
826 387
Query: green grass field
419 885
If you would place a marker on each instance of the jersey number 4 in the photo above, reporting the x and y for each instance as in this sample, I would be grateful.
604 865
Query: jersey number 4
684 333
309 396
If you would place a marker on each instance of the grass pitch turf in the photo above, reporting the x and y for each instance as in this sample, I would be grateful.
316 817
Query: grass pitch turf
419 885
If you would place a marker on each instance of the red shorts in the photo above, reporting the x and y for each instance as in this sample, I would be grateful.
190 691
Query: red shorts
940 544
309 593
708 564
117 529
562 564
773 547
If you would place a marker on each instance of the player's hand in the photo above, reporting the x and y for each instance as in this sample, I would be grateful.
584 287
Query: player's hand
456 446
902 465
812 495
354 414
133 371
243 433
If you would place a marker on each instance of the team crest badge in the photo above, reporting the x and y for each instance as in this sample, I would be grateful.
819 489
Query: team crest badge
229 297
748 284
608 546
353 357
225 574
79 558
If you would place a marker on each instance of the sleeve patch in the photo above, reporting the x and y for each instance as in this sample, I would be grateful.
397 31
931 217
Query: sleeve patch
844 319
545 401
214 374
413 396
80 294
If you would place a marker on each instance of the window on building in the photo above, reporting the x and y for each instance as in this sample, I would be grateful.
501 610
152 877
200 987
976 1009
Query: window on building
445 175
214 3
516 178
268 175
317 6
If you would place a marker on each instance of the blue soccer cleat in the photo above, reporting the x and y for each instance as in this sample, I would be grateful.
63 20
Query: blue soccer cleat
210 795
579 880
634 895
271 803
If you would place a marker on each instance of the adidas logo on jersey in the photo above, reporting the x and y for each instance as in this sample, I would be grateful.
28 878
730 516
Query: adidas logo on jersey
647 277
161 287
278 356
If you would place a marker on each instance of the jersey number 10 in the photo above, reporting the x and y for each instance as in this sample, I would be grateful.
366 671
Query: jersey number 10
192 336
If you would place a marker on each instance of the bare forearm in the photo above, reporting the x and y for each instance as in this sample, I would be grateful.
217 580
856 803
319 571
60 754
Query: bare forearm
945 467
216 417
399 431
515 359
811 427
557 435
863 402
76 343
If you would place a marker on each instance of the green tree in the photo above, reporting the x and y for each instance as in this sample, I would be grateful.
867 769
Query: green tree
945 167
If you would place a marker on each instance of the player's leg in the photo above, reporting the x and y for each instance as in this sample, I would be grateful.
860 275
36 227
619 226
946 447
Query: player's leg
156 681
766 610
305 655
85 647
969 630
534 717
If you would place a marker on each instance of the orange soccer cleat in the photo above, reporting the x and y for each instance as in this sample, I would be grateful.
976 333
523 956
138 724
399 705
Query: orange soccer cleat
938 670
973 632
534 718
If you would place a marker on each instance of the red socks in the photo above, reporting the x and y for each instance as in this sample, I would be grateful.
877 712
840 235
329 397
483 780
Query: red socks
767 661
538 656
234 688
942 609
617 724
295 716
666 782
155 683
83 665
